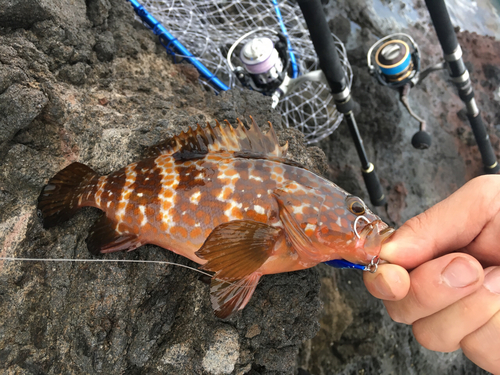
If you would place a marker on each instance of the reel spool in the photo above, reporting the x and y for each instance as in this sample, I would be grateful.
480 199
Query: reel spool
397 65
264 63
397 60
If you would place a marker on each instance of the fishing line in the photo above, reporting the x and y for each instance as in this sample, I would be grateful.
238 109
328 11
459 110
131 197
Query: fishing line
164 262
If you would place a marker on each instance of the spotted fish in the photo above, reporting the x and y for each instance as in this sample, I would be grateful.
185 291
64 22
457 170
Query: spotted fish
227 198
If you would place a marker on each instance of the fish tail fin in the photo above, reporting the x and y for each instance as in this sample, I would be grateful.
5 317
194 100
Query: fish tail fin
61 197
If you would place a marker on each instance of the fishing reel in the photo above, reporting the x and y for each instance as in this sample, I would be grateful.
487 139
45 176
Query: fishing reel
395 62
264 62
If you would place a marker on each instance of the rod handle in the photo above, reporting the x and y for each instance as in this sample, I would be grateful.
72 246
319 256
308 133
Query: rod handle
372 182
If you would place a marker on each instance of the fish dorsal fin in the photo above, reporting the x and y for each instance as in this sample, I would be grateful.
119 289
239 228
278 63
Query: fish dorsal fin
218 138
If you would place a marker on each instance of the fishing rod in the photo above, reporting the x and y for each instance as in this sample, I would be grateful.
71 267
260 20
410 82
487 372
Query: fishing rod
395 62
332 68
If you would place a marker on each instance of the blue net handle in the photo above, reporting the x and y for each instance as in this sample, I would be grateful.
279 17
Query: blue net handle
164 35
293 61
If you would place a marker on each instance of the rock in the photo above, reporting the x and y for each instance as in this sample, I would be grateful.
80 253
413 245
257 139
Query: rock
341 27
24 13
223 354
98 11
75 74
19 106
105 46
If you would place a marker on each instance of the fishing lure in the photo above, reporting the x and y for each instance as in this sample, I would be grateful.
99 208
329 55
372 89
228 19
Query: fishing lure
227 198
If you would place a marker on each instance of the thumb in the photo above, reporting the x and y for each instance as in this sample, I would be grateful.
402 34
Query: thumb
448 226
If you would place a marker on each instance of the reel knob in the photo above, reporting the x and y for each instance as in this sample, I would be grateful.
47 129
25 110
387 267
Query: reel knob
421 140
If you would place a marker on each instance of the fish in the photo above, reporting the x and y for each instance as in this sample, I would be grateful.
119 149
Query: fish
227 198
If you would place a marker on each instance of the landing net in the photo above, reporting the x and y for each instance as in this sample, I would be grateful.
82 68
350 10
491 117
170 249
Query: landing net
207 28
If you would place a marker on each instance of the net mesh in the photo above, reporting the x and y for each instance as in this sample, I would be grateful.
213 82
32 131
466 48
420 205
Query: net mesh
207 28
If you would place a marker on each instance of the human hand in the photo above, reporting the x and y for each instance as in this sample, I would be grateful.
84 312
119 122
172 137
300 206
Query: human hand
451 296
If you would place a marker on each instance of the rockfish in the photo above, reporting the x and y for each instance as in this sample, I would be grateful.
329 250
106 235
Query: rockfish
226 198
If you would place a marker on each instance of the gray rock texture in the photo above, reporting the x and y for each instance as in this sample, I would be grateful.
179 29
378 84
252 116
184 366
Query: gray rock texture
83 81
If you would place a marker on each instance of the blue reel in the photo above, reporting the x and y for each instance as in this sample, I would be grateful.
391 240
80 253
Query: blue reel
396 60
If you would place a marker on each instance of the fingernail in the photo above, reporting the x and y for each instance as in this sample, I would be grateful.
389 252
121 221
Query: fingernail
492 281
460 273
383 288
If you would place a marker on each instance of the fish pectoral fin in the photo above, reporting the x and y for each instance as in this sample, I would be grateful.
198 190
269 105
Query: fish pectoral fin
229 296
238 248
294 233
104 238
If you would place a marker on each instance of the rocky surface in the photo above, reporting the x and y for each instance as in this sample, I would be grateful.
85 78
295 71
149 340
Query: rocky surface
83 81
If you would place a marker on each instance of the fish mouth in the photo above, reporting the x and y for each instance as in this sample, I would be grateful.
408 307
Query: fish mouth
376 227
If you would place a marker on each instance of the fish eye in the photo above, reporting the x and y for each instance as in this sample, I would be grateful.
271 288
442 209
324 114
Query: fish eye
355 205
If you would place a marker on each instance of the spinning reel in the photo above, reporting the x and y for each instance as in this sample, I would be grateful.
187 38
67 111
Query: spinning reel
264 62
397 65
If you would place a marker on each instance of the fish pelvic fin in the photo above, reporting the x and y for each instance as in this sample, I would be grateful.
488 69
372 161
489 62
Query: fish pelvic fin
200 141
235 251
238 248
227 297
60 198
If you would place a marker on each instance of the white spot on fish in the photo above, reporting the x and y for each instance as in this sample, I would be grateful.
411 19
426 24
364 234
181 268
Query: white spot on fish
220 197
139 195
195 198
144 218
310 226
255 178
233 205
259 209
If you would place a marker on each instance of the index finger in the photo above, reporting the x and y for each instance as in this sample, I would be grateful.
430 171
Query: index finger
450 225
